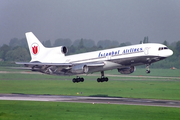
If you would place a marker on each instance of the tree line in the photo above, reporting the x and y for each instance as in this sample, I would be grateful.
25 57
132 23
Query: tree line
17 49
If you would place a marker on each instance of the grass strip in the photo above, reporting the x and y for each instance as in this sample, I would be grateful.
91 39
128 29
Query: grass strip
119 87
26 110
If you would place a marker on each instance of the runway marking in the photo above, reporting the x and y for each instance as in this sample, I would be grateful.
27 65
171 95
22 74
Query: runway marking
93 100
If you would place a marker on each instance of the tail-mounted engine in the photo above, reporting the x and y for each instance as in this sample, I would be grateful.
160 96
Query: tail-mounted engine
64 49
56 51
80 69
127 70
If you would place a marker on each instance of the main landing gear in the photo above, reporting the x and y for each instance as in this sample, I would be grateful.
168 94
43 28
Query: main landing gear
78 79
102 79
147 66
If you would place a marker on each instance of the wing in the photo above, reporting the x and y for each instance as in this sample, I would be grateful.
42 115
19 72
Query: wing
30 64
62 68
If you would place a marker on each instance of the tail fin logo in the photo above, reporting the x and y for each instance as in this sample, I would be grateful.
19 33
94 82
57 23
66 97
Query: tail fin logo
35 48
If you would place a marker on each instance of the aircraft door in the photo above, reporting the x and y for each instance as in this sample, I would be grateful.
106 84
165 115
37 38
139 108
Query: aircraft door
146 51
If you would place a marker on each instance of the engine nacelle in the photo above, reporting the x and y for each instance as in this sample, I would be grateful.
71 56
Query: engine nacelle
80 69
127 70
64 49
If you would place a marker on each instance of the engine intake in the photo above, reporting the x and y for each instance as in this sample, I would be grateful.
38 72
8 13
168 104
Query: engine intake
64 49
127 70
80 69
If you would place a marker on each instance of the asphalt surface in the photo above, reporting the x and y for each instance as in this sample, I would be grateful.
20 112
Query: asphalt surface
92 100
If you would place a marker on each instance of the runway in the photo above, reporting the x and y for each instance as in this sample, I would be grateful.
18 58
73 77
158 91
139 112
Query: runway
92 100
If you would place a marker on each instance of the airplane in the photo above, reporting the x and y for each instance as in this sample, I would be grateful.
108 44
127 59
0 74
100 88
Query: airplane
54 61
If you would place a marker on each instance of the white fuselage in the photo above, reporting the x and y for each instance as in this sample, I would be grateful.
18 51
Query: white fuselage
112 57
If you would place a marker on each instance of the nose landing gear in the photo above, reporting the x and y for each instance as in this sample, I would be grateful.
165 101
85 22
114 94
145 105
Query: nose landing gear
148 70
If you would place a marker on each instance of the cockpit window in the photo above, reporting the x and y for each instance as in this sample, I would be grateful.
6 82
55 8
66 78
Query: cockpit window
163 48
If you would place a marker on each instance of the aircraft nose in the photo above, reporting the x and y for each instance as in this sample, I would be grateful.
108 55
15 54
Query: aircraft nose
169 52
166 53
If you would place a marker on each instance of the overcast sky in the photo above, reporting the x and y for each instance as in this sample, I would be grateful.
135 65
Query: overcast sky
121 20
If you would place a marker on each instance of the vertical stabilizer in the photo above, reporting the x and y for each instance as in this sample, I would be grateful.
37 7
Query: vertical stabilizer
35 47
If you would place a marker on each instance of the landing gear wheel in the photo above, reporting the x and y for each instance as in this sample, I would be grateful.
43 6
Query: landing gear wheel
99 80
105 79
148 71
74 80
78 79
81 79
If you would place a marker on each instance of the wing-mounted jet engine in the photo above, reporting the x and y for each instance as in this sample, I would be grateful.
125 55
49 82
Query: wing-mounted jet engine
79 69
127 70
